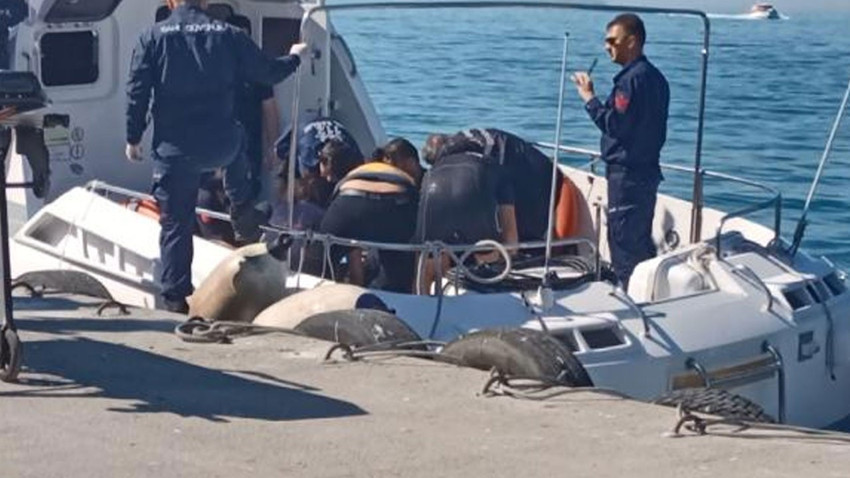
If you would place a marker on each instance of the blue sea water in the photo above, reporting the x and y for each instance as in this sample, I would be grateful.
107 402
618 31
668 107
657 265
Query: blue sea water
774 88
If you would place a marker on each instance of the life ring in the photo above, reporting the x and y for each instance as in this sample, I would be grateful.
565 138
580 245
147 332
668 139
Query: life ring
567 209
145 207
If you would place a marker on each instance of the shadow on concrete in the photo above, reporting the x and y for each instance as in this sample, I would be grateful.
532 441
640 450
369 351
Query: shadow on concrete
157 384
104 324
48 303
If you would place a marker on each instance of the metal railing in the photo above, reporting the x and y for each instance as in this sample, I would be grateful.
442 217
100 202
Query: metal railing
774 202
328 240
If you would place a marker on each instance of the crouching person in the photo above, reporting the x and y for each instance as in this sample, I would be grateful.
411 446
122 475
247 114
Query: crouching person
377 202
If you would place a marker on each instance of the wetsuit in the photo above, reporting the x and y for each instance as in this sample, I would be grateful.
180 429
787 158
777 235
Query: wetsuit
358 213
460 199
191 66
529 172
633 121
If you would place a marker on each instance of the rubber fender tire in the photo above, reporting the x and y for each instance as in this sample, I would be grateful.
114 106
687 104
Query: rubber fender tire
357 327
10 358
715 401
521 353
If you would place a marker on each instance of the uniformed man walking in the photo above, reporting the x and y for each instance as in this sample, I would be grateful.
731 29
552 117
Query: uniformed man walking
193 65
633 121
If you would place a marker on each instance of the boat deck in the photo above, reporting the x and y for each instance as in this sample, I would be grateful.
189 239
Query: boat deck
122 396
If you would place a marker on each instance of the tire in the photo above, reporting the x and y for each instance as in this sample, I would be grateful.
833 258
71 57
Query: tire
11 353
715 401
357 327
520 353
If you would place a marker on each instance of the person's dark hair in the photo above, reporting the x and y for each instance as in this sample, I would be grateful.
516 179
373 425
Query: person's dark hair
433 148
313 189
632 24
340 158
398 150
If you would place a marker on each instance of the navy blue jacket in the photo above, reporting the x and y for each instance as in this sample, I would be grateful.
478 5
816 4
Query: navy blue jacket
194 66
12 12
633 121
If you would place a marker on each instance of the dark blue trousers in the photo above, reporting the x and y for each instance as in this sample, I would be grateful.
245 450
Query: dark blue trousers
631 208
176 181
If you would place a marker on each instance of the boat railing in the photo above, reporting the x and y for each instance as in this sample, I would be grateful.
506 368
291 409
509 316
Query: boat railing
774 200
457 252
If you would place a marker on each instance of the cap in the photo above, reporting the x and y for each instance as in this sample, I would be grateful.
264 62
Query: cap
312 139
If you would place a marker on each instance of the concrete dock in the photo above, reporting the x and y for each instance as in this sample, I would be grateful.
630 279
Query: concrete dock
122 396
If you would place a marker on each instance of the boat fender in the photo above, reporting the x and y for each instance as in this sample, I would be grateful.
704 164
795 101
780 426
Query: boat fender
358 328
294 309
715 401
244 284
524 353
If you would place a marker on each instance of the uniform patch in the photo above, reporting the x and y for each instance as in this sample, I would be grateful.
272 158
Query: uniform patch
621 102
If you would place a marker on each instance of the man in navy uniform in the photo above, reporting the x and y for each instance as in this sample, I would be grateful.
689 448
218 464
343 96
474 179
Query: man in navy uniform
633 121
12 12
193 65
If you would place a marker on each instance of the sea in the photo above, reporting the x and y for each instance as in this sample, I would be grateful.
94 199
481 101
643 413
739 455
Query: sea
774 88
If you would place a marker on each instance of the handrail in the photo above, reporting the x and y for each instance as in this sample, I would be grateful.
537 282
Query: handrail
775 201
340 241
696 200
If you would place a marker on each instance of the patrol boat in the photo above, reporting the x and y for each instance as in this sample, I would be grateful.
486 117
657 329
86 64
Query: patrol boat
726 305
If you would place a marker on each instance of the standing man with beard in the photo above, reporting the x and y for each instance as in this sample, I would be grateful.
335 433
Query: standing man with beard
192 65
633 121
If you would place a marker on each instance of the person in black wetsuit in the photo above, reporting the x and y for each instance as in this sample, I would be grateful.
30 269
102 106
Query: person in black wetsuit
256 109
377 202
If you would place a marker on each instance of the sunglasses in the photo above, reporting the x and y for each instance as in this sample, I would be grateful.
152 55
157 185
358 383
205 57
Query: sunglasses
614 41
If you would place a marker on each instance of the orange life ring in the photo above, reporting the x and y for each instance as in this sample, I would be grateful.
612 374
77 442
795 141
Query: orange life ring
145 207
566 210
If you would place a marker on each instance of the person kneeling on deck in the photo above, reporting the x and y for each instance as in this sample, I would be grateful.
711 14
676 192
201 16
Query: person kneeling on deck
529 173
193 64
377 202
466 197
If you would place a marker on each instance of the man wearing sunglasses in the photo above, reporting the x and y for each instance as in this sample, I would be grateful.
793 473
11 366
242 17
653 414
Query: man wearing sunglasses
633 121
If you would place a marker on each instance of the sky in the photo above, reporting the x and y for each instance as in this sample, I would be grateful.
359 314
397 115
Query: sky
740 6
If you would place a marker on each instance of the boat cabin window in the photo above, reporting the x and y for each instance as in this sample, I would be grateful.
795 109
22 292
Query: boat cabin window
279 34
65 11
797 298
835 284
69 58
218 11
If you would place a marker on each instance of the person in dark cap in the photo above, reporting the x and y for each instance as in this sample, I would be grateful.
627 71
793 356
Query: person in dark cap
633 122
191 65
12 12
314 136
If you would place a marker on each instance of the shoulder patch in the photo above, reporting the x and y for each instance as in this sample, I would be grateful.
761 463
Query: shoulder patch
621 102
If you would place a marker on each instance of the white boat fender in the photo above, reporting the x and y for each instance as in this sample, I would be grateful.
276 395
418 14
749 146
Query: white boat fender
340 313
244 284
519 353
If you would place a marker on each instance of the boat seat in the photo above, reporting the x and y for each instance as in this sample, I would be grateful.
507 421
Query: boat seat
676 274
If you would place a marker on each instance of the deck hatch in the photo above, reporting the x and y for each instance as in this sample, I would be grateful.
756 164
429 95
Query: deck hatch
601 338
